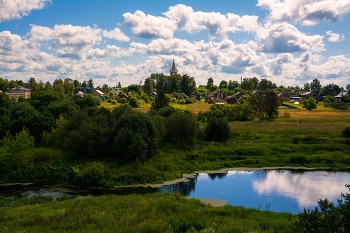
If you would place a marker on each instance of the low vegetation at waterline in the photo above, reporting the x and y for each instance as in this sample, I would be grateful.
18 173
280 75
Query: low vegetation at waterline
163 213
139 213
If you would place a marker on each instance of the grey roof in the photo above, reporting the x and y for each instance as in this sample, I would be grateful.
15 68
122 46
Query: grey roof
341 94
173 68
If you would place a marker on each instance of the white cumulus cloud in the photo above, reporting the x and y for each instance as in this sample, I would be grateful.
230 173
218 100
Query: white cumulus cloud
284 37
334 37
16 9
307 12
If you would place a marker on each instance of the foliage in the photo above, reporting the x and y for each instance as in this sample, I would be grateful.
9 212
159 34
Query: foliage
135 138
315 86
265 103
148 86
21 141
134 103
182 129
92 174
217 129
57 135
326 217
346 132
87 101
309 103
160 101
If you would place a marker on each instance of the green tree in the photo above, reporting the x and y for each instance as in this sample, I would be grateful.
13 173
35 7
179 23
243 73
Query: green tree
58 86
133 88
148 86
272 103
258 102
160 101
33 85
264 84
309 104
68 84
136 137
21 141
58 134
232 85
210 82
315 86
48 85
330 89
174 83
307 87
187 84
184 136
223 84
218 129
247 84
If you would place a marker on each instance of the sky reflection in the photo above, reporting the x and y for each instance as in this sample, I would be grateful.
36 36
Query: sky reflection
304 187
276 190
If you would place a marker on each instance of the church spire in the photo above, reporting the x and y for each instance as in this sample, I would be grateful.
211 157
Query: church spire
173 70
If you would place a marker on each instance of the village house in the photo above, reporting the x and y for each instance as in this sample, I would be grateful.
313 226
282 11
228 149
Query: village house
233 99
218 95
16 92
98 93
284 96
342 93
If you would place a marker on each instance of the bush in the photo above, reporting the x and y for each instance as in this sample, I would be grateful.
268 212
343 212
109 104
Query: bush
92 174
326 217
122 100
182 129
218 129
134 103
113 102
136 137
346 132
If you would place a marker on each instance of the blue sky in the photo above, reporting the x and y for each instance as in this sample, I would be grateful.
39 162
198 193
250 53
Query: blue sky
290 42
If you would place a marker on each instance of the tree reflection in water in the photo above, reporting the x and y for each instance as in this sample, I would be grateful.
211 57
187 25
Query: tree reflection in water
183 188
213 176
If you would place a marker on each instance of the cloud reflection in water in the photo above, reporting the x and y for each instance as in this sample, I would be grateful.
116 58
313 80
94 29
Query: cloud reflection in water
305 187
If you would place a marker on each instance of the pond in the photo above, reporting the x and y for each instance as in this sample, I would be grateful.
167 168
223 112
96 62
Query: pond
273 190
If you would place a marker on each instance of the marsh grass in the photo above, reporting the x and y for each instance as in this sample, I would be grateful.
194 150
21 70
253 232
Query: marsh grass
139 213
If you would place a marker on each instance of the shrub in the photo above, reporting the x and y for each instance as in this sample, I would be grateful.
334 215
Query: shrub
136 137
134 103
326 217
122 100
113 102
218 129
92 174
346 132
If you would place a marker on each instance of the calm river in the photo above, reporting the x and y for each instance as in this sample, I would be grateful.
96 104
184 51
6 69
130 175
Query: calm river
274 190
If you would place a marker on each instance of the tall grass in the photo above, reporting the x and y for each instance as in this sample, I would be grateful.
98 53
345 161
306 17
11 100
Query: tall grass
139 213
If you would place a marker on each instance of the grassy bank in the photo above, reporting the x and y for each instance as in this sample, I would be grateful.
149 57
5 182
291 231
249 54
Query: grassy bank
138 213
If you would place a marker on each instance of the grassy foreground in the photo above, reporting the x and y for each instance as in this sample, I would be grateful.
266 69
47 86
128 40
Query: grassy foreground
139 213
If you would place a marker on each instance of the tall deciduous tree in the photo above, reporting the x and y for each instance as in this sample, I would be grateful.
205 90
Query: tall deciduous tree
58 86
148 86
210 82
223 84
315 86
247 84
68 84
187 84
161 101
